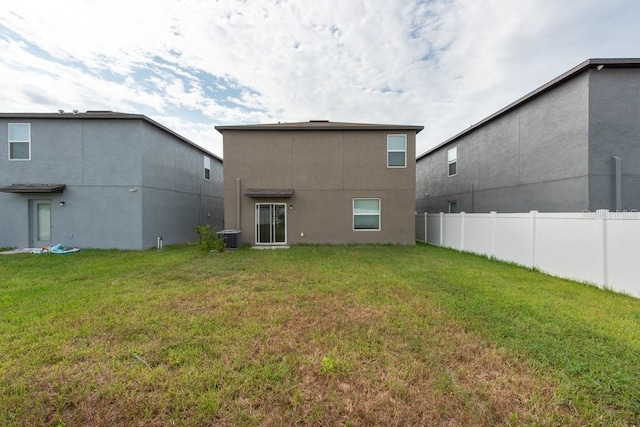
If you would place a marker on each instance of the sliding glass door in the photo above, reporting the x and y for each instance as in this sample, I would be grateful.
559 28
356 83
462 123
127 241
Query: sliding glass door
271 223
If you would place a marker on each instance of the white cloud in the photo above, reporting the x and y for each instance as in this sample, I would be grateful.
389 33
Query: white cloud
191 65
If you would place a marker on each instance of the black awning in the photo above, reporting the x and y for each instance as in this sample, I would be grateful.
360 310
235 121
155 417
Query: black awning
33 188
265 192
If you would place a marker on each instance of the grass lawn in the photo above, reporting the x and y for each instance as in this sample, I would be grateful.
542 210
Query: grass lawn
320 335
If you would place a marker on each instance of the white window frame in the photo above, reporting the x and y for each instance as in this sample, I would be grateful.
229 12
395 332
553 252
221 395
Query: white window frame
452 159
272 225
354 214
28 141
207 168
397 151
450 203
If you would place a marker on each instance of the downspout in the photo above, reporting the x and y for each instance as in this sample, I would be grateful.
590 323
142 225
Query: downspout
472 204
237 203
617 179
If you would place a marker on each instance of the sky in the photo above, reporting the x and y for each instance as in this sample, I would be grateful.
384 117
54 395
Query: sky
195 64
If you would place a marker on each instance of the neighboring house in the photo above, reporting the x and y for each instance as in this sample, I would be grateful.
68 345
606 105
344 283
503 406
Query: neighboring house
102 180
570 145
320 182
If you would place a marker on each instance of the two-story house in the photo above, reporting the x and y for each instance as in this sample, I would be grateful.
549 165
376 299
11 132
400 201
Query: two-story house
320 182
571 145
102 180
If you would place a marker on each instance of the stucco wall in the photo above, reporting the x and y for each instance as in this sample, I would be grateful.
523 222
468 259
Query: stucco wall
175 196
534 157
326 170
614 130
97 217
110 168
97 160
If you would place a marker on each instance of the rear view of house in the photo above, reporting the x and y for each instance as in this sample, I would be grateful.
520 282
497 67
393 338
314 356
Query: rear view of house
102 180
320 182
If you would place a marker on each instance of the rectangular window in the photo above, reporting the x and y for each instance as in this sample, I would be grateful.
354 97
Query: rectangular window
452 160
207 168
366 214
19 141
396 151
453 206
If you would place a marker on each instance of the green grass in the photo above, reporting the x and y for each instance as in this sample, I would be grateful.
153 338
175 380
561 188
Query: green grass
335 335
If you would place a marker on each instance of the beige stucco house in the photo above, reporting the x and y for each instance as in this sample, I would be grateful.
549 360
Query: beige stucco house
320 182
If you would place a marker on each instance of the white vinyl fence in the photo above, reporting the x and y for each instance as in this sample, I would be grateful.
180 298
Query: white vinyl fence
599 247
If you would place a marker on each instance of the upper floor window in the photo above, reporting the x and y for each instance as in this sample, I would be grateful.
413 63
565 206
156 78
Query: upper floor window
366 214
396 151
207 168
452 160
19 141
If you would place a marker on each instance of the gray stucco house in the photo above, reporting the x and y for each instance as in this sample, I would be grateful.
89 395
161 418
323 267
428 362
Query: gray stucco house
102 180
571 145
320 182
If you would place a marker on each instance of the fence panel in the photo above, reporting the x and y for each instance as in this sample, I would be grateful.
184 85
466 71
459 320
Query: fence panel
421 228
596 247
478 233
623 253
569 245
451 231
514 238
433 229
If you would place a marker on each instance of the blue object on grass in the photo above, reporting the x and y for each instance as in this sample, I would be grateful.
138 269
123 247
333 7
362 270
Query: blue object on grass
61 249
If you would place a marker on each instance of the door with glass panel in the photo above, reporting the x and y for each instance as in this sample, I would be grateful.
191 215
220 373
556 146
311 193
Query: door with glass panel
271 223
40 223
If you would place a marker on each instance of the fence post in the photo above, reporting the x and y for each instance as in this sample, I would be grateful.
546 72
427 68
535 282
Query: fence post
441 228
425 228
602 215
493 215
462 231
533 238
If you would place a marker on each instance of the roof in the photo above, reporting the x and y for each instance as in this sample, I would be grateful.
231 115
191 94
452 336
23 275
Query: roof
589 64
33 188
319 125
104 115
267 192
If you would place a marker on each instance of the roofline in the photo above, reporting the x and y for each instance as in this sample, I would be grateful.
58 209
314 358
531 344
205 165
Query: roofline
323 125
589 64
107 115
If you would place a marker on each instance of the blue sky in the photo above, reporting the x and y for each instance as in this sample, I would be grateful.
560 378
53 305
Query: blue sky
194 64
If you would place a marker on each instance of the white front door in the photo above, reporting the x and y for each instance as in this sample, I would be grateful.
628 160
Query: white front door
271 223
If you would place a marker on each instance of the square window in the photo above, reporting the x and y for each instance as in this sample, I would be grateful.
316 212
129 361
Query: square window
19 141
366 214
396 151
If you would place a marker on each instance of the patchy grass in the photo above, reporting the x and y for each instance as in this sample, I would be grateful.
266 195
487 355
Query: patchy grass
322 335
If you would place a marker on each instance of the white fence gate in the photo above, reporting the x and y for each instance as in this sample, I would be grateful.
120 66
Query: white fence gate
599 247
